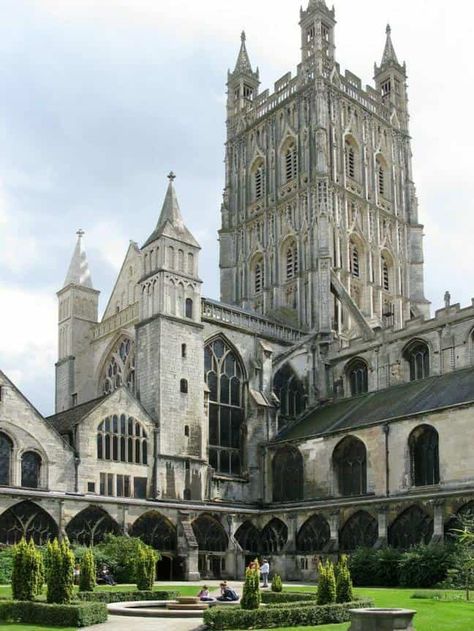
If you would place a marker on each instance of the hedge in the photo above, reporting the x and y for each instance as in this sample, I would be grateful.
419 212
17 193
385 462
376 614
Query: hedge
220 618
287 597
121 597
75 615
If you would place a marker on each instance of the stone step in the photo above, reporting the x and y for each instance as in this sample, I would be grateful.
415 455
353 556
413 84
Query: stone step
187 607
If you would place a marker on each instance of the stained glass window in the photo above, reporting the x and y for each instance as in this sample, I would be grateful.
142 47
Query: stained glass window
290 392
424 452
30 470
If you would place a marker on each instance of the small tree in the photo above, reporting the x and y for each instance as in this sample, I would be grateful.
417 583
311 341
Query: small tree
344 592
146 568
277 585
87 573
326 584
27 574
60 574
251 597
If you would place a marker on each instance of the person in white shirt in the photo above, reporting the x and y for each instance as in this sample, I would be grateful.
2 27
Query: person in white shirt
265 571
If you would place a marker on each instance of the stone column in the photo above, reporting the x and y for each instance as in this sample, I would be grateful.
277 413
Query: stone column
382 538
438 519
333 545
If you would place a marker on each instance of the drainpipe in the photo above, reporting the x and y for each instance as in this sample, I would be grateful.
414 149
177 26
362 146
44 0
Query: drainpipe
77 462
154 480
386 431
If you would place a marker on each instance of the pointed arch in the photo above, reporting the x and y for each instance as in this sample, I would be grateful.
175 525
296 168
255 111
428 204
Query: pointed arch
287 474
289 159
156 531
290 392
118 366
357 375
424 456
210 534
359 531
248 538
350 464
351 157
382 176
27 519
417 356
257 267
224 376
6 453
274 537
410 528
258 176
91 525
290 259
313 536
454 525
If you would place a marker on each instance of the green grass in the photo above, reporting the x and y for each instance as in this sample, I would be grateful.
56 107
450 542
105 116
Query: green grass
184 590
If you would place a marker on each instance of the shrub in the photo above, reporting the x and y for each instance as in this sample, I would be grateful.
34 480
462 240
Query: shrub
363 564
277 585
121 597
88 573
344 592
251 597
120 553
27 574
6 565
146 568
60 572
76 615
425 566
221 618
287 597
388 567
326 584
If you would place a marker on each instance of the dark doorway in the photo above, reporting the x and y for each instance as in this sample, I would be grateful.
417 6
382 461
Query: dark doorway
165 569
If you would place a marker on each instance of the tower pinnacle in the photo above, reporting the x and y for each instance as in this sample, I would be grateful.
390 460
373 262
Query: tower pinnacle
78 272
243 65
389 55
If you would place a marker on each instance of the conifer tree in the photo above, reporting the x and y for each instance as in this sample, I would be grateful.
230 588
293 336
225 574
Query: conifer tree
60 574
344 593
87 574
146 568
326 584
27 575
251 597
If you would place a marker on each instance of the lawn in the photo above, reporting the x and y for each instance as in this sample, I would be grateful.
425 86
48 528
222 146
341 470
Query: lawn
184 590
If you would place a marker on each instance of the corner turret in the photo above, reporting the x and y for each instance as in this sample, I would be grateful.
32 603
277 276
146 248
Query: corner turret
242 83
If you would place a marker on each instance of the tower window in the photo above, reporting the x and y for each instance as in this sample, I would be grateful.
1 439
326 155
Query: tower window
354 262
386 88
183 386
380 172
310 33
259 276
291 162
189 308
291 262
186 431
127 438
248 92
183 350
385 275
351 162
259 182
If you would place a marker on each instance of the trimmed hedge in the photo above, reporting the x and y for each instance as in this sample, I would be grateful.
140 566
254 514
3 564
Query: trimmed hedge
76 615
220 618
122 597
287 597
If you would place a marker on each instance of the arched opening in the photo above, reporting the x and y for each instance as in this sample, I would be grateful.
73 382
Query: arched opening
259 276
212 542
457 523
290 392
287 472
424 456
385 273
290 255
6 451
417 356
354 260
381 174
30 469
248 537
351 155
258 179
224 378
290 161
27 520
189 308
357 375
313 535
119 368
122 439
359 531
350 462
183 386
159 533
90 526
274 537
411 528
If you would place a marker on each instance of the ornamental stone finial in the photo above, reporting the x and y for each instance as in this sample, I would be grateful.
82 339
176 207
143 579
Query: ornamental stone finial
80 233
171 176
388 30
243 37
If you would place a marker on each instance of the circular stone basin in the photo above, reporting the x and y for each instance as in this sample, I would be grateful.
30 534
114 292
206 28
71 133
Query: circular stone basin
153 609
387 619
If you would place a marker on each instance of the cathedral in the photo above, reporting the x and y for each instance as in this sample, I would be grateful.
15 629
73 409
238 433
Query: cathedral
317 407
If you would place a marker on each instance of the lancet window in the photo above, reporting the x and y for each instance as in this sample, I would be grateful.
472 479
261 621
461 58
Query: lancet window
30 469
350 461
122 439
6 450
424 456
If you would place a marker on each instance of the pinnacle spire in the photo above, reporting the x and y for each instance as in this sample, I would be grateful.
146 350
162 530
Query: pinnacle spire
78 272
389 55
243 65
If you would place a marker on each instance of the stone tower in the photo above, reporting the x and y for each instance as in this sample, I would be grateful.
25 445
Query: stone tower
170 372
78 303
319 217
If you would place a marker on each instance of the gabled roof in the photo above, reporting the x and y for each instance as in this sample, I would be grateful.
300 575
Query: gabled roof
397 402
64 422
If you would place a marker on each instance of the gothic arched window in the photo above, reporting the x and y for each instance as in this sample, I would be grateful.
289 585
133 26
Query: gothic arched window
411 528
122 439
290 392
248 537
189 308
385 275
287 470
417 355
351 161
30 469
29 521
354 260
258 175
359 531
290 162
259 276
120 367
357 376
210 535
424 456
291 261
350 462
224 376
274 537
90 526
6 450
313 535
156 531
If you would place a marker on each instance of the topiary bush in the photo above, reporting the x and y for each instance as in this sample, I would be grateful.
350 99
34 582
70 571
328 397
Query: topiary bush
251 597
6 565
146 568
37 613
326 584
60 572
27 573
277 585
121 597
87 576
286 597
344 592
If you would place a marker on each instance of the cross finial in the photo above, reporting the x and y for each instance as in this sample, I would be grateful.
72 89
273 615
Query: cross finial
171 176
243 37
80 233
388 30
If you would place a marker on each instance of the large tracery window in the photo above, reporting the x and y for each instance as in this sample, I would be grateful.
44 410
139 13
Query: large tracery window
290 392
120 367
210 535
287 470
424 456
417 355
350 461
248 537
29 521
223 374
411 528
357 376
156 531
90 526
359 531
6 449
313 535
30 470
122 439
274 537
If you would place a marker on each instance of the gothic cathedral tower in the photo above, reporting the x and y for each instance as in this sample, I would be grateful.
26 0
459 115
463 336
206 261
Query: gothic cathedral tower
319 218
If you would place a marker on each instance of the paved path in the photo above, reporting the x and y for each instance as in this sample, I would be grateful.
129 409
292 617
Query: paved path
126 623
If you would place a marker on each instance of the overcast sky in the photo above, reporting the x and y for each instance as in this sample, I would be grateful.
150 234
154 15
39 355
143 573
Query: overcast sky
99 99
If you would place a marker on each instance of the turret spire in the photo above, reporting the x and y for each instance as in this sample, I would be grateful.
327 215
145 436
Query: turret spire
389 55
78 272
243 65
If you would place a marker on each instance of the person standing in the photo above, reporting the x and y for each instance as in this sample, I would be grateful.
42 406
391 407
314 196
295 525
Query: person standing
265 570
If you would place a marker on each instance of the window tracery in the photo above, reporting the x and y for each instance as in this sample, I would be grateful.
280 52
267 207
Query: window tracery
411 528
29 521
122 439
248 537
290 392
210 535
6 451
90 526
418 357
313 535
357 375
274 537
350 459
360 531
120 367
424 456
156 531
290 162
287 469
291 260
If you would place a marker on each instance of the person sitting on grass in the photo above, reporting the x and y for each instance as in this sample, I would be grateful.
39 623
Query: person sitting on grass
227 593
204 595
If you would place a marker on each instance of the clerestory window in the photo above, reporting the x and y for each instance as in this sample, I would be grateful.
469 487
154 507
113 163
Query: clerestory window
122 439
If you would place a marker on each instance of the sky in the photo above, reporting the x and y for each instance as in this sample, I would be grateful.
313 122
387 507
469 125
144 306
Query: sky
100 99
